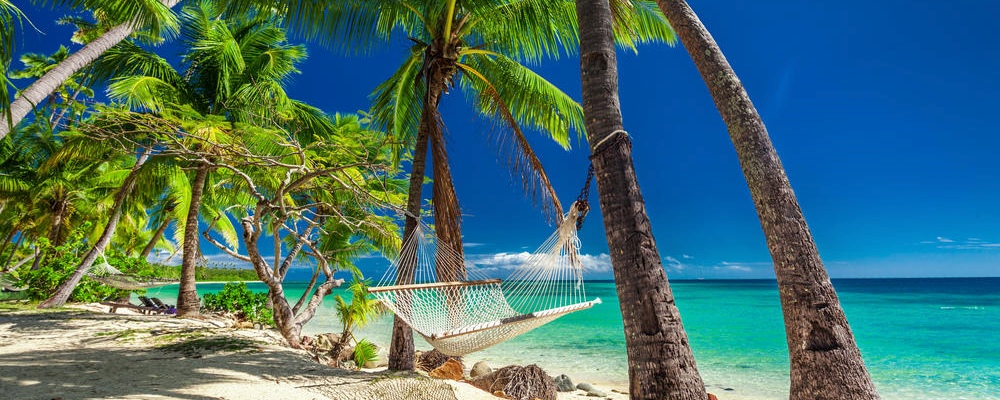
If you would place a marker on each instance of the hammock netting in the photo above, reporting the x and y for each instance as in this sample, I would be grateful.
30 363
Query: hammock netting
108 275
470 311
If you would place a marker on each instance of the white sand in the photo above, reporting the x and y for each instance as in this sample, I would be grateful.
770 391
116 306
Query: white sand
86 353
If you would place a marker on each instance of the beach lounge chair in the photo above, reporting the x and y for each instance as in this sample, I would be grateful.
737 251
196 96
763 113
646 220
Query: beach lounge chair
169 308
153 306
124 303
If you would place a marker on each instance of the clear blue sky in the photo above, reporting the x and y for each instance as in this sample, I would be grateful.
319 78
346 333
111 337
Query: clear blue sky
882 113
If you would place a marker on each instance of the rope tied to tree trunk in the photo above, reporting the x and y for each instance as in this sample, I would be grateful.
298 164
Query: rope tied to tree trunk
582 204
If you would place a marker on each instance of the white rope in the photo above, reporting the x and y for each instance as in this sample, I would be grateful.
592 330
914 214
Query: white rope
611 135
468 315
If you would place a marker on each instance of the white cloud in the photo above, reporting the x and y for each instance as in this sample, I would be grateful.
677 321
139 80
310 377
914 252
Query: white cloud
731 266
506 261
967 244
673 264
473 244
686 257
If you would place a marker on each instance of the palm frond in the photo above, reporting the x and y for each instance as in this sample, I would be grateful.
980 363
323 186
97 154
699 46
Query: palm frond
398 102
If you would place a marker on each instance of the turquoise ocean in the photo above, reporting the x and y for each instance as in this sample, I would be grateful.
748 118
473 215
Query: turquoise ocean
921 338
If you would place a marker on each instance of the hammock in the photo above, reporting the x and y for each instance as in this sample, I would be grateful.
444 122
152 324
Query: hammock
108 275
472 313
7 284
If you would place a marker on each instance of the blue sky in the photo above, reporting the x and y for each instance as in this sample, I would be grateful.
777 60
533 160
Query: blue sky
882 114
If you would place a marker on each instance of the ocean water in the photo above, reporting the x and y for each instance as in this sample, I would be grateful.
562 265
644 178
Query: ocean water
920 338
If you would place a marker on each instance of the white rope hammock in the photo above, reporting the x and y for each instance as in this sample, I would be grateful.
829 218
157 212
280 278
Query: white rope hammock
467 315
106 274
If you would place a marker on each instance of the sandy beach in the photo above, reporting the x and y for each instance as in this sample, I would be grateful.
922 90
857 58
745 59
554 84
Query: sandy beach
83 352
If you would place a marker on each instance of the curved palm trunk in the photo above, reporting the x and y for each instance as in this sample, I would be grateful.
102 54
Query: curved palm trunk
48 83
156 238
66 288
188 303
825 360
661 364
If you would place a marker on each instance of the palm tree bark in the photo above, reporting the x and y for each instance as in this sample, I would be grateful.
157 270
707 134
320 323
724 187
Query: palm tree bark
156 238
66 288
825 360
49 82
58 213
661 364
401 346
188 303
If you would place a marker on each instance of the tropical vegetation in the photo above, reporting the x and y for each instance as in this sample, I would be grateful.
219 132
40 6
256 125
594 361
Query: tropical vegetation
213 149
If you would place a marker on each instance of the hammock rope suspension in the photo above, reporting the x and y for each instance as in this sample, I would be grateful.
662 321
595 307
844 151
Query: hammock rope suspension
461 317
104 273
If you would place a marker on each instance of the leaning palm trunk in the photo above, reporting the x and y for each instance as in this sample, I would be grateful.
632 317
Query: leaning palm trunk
49 82
156 238
825 360
188 303
661 364
66 288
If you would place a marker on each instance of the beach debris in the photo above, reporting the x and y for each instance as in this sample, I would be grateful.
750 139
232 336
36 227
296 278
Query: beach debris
451 369
479 369
564 384
432 359
518 383
325 342
591 390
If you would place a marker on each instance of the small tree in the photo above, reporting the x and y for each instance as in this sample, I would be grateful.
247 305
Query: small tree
356 314
319 193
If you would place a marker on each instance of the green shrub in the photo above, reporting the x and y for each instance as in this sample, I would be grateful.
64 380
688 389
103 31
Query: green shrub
59 263
364 351
237 299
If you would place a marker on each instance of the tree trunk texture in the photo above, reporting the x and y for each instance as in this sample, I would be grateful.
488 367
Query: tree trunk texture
66 288
48 83
661 364
825 360
58 212
188 303
156 238
401 346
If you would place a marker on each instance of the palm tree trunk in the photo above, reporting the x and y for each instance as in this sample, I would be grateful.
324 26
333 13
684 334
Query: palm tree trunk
58 212
49 82
825 360
447 215
156 238
661 364
188 303
401 346
66 288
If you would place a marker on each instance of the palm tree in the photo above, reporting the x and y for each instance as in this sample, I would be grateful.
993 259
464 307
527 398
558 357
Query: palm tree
475 46
236 67
126 16
10 16
661 363
66 288
66 96
825 360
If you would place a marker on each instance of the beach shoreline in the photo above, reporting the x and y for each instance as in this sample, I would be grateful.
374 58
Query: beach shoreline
83 351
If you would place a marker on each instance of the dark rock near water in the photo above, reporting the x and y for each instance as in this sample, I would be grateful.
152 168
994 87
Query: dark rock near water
564 384
479 369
